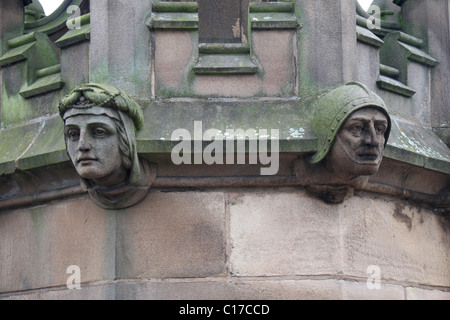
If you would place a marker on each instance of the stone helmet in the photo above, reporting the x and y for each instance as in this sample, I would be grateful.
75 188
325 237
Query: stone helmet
333 109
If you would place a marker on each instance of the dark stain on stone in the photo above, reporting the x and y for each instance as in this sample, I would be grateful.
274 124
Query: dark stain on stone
444 223
401 217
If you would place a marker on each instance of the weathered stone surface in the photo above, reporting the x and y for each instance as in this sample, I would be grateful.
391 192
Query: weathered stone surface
14 143
426 294
286 233
121 46
367 64
230 243
231 290
407 243
353 290
75 64
429 20
274 50
322 60
219 289
259 289
11 22
86 292
38 244
223 21
393 173
418 78
78 34
172 234
47 148
246 85
173 53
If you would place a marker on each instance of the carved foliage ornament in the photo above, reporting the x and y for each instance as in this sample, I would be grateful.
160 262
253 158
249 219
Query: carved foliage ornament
100 125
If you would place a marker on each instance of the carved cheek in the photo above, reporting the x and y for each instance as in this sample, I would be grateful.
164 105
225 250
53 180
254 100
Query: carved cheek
108 153
381 146
72 147
350 144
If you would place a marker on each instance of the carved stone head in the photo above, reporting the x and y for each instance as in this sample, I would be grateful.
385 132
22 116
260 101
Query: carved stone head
359 144
100 124
352 126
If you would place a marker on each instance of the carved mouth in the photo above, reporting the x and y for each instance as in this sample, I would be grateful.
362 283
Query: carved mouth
83 161
368 156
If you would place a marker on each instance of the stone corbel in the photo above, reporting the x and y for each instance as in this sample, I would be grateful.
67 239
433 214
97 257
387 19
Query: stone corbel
352 126
325 185
100 125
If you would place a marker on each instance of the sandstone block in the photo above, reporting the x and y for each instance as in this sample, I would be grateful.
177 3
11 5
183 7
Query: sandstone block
38 244
172 234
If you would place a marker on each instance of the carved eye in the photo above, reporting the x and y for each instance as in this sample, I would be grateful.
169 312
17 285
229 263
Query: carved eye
73 134
357 129
380 129
99 132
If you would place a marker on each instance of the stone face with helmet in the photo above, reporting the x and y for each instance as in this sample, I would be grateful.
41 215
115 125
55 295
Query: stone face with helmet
352 126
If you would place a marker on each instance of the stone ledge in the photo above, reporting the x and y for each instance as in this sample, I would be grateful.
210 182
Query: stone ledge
163 6
409 142
224 48
420 56
20 48
216 289
173 20
183 15
48 79
225 64
273 6
76 35
414 144
235 289
367 36
385 26
395 86
273 20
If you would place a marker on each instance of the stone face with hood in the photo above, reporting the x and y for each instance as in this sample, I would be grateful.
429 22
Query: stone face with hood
101 122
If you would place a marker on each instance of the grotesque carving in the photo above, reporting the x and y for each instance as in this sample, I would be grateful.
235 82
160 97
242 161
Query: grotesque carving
100 124
352 126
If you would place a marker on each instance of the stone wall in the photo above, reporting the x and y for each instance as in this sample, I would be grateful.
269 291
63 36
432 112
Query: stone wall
249 243
225 231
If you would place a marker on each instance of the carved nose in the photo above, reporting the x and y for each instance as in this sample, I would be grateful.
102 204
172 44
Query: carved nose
83 142
371 138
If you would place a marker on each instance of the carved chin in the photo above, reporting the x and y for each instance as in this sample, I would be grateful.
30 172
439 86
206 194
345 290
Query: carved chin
90 172
347 167
366 169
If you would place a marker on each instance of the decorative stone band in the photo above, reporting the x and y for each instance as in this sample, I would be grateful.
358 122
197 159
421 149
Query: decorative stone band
436 200
93 110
